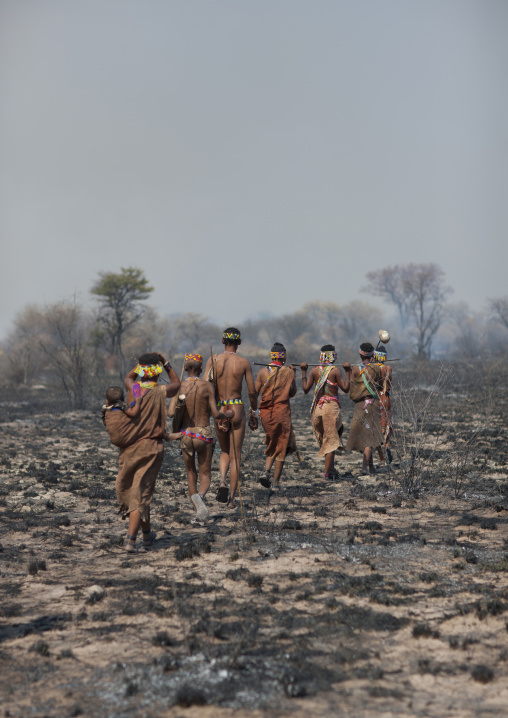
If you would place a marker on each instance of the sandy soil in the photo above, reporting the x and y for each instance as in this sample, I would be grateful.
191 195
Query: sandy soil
365 596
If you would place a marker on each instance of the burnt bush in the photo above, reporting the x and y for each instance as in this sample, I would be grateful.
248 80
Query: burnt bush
36 565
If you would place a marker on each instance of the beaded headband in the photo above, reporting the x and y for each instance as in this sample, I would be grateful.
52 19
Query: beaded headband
148 370
231 335
194 357
366 354
277 355
327 357
380 356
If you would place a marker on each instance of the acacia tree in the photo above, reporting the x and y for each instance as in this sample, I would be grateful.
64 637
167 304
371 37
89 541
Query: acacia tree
120 296
419 292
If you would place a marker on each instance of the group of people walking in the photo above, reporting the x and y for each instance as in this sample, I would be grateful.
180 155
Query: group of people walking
138 425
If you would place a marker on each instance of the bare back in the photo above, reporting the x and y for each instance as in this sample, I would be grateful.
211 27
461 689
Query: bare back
231 370
199 403
334 381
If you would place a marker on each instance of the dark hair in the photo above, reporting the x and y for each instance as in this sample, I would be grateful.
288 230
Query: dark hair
227 340
149 359
381 349
366 347
328 348
114 394
192 364
278 347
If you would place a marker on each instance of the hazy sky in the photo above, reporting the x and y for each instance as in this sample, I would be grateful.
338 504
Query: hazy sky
243 153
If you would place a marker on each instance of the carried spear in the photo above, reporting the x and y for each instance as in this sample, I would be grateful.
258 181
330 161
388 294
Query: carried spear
339 366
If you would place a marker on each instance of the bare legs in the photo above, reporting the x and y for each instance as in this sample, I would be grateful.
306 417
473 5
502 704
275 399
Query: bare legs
227 459
135 522
368 461
205 463
279 466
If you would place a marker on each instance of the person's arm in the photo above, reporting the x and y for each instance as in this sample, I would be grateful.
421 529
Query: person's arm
292 391
172 437
253 395
173 387
387 384
133 411
207 368
344 384
306 383
260 380
229 414
130 380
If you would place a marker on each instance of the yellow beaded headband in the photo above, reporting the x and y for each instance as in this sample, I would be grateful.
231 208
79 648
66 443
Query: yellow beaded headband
148 370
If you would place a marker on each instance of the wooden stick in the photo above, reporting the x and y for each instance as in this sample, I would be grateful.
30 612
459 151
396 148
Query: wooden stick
237 466
276 366
339 366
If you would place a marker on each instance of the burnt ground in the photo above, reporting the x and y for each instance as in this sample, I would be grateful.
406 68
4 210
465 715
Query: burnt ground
366 596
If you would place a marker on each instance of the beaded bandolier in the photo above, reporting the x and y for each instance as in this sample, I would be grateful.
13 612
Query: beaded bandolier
326 360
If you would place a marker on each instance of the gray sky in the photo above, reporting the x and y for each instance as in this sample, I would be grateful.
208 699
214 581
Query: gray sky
244 152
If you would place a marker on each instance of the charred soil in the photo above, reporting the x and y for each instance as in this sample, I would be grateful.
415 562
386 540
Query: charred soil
381 595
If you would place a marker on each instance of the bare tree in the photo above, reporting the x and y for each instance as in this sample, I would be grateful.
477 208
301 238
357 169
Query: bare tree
419 292
25 358
499 308
65 341
293 330
120 296
359 322
389 283
427 292
193 332
152 334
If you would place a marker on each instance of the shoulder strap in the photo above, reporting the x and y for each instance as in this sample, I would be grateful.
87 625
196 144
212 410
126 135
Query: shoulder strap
366 381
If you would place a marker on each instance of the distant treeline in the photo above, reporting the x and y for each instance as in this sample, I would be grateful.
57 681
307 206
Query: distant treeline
81 351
